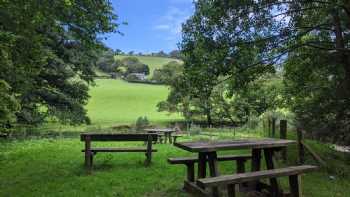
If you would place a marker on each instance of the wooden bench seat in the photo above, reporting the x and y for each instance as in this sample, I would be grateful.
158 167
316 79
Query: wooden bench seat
190 161
230 180
185 160
140 137
102 149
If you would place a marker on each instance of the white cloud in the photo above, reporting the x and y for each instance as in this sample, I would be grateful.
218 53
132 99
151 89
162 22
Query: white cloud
170 24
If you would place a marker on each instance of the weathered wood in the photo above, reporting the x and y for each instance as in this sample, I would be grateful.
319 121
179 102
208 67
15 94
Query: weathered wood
268 153
149 150
118 137
240 165
213 169
88 153
175 137
256 164
273 125
211 146
283 135
202 163
251 176
192 188
231 190
184 160
107 149
301 150
295 185
190 171
314 154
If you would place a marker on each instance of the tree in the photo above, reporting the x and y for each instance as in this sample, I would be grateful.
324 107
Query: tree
258 36
133 65
106 61
48 54
167 73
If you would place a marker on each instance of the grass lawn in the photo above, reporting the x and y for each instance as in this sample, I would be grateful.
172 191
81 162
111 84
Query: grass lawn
118 102
54 167
152 62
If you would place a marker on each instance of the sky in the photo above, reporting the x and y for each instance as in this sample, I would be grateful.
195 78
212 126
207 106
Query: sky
153 25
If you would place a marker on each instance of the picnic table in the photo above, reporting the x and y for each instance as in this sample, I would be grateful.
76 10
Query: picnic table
207 153
167 132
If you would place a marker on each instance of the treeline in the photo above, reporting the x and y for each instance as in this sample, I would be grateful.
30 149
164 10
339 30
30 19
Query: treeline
172 54
245 58
48 52
131 69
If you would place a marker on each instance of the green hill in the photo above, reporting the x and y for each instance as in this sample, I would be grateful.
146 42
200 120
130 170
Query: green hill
118 102
152 62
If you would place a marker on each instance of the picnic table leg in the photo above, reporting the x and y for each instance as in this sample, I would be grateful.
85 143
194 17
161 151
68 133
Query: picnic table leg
202 159
88 153
256 163
213 168
268 153
294 184
170 140
149 150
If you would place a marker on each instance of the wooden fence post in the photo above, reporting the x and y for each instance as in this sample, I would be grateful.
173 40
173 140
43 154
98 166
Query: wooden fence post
301 150
269 123
283 135
273 127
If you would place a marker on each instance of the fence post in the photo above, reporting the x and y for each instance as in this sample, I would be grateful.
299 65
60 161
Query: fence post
269 123
283 135
273 127
301 150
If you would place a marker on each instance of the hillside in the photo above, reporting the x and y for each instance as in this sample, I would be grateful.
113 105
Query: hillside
152 62
118 102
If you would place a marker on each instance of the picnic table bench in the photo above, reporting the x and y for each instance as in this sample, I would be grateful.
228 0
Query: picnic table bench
207 154
231 180
91 151
190 161
166 132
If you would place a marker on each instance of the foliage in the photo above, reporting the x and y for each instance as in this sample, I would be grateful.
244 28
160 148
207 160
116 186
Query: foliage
133 65
239 41
106 61
47 54
141 123
8 105
168 73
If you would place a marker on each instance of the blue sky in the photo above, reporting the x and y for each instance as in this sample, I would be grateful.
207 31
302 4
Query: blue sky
153 25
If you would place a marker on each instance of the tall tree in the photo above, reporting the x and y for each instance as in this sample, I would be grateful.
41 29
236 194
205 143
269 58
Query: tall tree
260 35
48 49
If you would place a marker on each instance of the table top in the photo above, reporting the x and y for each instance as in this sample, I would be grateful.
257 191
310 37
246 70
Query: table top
210 146
160 130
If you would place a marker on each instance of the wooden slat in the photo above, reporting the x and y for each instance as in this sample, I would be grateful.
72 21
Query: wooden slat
117 137
211 146
250 176
120 150
184 160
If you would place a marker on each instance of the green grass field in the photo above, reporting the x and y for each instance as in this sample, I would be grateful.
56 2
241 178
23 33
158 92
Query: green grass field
54 167
118 102
152 62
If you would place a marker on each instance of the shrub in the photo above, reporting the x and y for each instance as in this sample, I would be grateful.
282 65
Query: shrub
141 123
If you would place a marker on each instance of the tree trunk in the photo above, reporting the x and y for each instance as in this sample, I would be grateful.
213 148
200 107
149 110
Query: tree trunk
340 46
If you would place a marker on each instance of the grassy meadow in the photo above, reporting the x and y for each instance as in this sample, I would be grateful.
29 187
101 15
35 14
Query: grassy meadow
54 167
115 102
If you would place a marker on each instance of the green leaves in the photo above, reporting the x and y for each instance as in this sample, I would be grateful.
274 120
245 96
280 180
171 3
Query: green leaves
48 53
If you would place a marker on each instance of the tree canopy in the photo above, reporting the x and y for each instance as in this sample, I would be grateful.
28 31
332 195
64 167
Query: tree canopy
238 43
47 55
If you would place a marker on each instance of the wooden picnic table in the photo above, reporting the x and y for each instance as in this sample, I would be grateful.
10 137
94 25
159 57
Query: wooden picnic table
166 131
207 152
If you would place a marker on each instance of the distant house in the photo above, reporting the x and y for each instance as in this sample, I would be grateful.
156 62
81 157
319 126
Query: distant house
139 76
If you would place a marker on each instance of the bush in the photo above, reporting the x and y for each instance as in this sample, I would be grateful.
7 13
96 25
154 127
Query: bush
141 123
